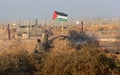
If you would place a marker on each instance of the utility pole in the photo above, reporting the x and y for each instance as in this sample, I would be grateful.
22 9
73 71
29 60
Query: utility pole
28 30
3 30
62 26
45 25
82 26
8 31
18 26
36 22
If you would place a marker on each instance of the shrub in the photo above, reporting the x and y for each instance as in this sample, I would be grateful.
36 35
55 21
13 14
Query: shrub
16 63
87 61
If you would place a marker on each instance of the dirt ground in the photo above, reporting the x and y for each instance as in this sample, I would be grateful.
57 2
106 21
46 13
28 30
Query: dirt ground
29 45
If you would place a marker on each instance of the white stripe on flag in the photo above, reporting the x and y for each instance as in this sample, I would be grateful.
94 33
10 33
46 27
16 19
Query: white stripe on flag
59 16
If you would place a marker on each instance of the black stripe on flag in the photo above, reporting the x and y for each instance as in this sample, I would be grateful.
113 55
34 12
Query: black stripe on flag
60 13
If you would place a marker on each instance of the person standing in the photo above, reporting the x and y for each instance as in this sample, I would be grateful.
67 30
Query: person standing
44 40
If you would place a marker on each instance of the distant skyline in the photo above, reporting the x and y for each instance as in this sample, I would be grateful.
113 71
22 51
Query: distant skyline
43 9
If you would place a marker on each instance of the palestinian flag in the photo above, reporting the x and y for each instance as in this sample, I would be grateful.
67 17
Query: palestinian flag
59 16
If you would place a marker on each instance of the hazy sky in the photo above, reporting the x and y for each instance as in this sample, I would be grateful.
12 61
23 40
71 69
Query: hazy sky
43 9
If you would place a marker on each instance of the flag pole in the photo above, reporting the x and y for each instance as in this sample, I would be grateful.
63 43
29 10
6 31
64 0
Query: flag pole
62 28
52 23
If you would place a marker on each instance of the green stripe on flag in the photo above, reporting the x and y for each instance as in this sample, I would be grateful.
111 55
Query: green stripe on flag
61 19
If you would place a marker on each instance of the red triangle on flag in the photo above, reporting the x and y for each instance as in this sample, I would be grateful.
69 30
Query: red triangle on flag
54 15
